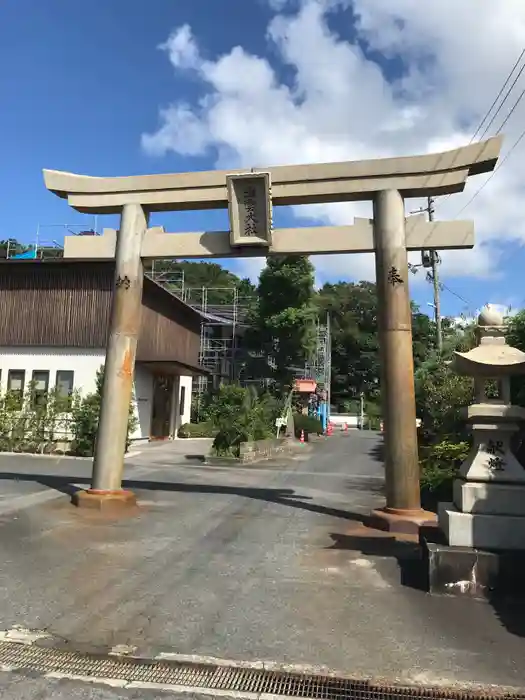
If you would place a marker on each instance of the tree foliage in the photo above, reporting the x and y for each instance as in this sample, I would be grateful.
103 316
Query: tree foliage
85 418
353 310
516 338
440 396
240 415
282 320
355 345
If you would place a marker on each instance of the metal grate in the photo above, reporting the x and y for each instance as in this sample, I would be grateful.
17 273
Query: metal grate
247 681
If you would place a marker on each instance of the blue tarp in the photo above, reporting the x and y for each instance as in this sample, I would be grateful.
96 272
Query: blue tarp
28 255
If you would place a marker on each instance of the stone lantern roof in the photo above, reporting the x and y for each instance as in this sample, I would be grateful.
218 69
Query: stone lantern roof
492 357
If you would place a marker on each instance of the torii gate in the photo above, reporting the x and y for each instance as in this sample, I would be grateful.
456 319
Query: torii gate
249 196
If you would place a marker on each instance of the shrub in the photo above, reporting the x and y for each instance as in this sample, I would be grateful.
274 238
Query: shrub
309 424
197 430
84 424
85 413
239 416
27 425
441 395
200 407
440 464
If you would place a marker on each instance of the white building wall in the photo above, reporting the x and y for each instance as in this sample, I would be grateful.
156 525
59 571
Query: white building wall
142 402
83 362
185 382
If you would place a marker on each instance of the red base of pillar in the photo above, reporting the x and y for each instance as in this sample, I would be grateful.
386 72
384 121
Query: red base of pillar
403 521
96 499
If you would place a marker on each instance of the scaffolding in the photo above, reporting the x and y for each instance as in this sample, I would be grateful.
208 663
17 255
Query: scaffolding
319 365
223 320
40 248
224 311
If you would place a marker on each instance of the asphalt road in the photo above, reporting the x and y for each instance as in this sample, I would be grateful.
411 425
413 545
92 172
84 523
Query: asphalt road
263 563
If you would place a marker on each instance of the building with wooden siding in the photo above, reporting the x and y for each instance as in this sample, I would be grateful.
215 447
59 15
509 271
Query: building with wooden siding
54 328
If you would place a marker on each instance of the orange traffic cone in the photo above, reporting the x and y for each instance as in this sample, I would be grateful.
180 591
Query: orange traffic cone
345 427
301 439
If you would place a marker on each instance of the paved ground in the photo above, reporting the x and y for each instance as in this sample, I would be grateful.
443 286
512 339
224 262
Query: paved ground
266 562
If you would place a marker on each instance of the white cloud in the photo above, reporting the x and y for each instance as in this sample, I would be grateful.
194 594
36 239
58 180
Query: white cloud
340 104
182 49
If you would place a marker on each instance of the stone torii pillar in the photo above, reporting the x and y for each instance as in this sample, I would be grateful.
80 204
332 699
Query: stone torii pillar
249 196
403 510
121 350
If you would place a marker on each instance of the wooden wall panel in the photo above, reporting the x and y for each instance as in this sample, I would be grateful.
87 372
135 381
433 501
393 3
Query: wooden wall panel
170 330
69 304
55 304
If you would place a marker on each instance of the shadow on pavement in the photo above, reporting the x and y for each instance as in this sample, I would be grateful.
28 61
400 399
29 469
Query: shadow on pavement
375 543
378 451
285 497
511 614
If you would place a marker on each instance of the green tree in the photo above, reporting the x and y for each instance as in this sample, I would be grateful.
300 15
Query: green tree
424 336
282 320
355 346
516 338
353 311
441 394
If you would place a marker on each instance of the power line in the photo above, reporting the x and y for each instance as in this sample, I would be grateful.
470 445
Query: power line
509 115
504 99
497 169
458 296
487 114
498 96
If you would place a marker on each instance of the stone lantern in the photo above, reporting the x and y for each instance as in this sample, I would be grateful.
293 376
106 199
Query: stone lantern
488 511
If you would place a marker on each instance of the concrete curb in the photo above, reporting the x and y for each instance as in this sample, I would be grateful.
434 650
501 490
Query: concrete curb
59 457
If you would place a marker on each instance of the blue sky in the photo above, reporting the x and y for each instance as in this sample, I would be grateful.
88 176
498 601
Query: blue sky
82 84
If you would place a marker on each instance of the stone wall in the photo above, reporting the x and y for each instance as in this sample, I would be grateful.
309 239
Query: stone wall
263 449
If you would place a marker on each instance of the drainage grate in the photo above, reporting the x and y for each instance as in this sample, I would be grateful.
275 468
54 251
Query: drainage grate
211 677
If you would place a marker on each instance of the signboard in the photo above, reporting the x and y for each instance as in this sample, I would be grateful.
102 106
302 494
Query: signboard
305 386
250 209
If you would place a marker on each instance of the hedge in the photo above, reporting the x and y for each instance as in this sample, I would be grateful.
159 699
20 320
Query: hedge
307 423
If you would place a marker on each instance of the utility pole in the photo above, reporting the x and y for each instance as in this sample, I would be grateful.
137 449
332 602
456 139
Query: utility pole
435 281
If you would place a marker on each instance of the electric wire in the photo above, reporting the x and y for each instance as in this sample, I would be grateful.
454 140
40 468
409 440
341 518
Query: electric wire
497 96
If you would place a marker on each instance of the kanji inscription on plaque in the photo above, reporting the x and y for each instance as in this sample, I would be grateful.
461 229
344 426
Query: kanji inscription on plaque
250 209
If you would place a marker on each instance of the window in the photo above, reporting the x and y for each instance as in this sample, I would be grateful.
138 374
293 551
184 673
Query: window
64 387
182 400
40 385
15 384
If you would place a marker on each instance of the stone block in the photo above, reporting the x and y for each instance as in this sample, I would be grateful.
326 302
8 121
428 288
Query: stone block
462 571
483 531
489 498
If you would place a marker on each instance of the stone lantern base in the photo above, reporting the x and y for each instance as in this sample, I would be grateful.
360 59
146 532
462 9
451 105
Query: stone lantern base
483 531
486 515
